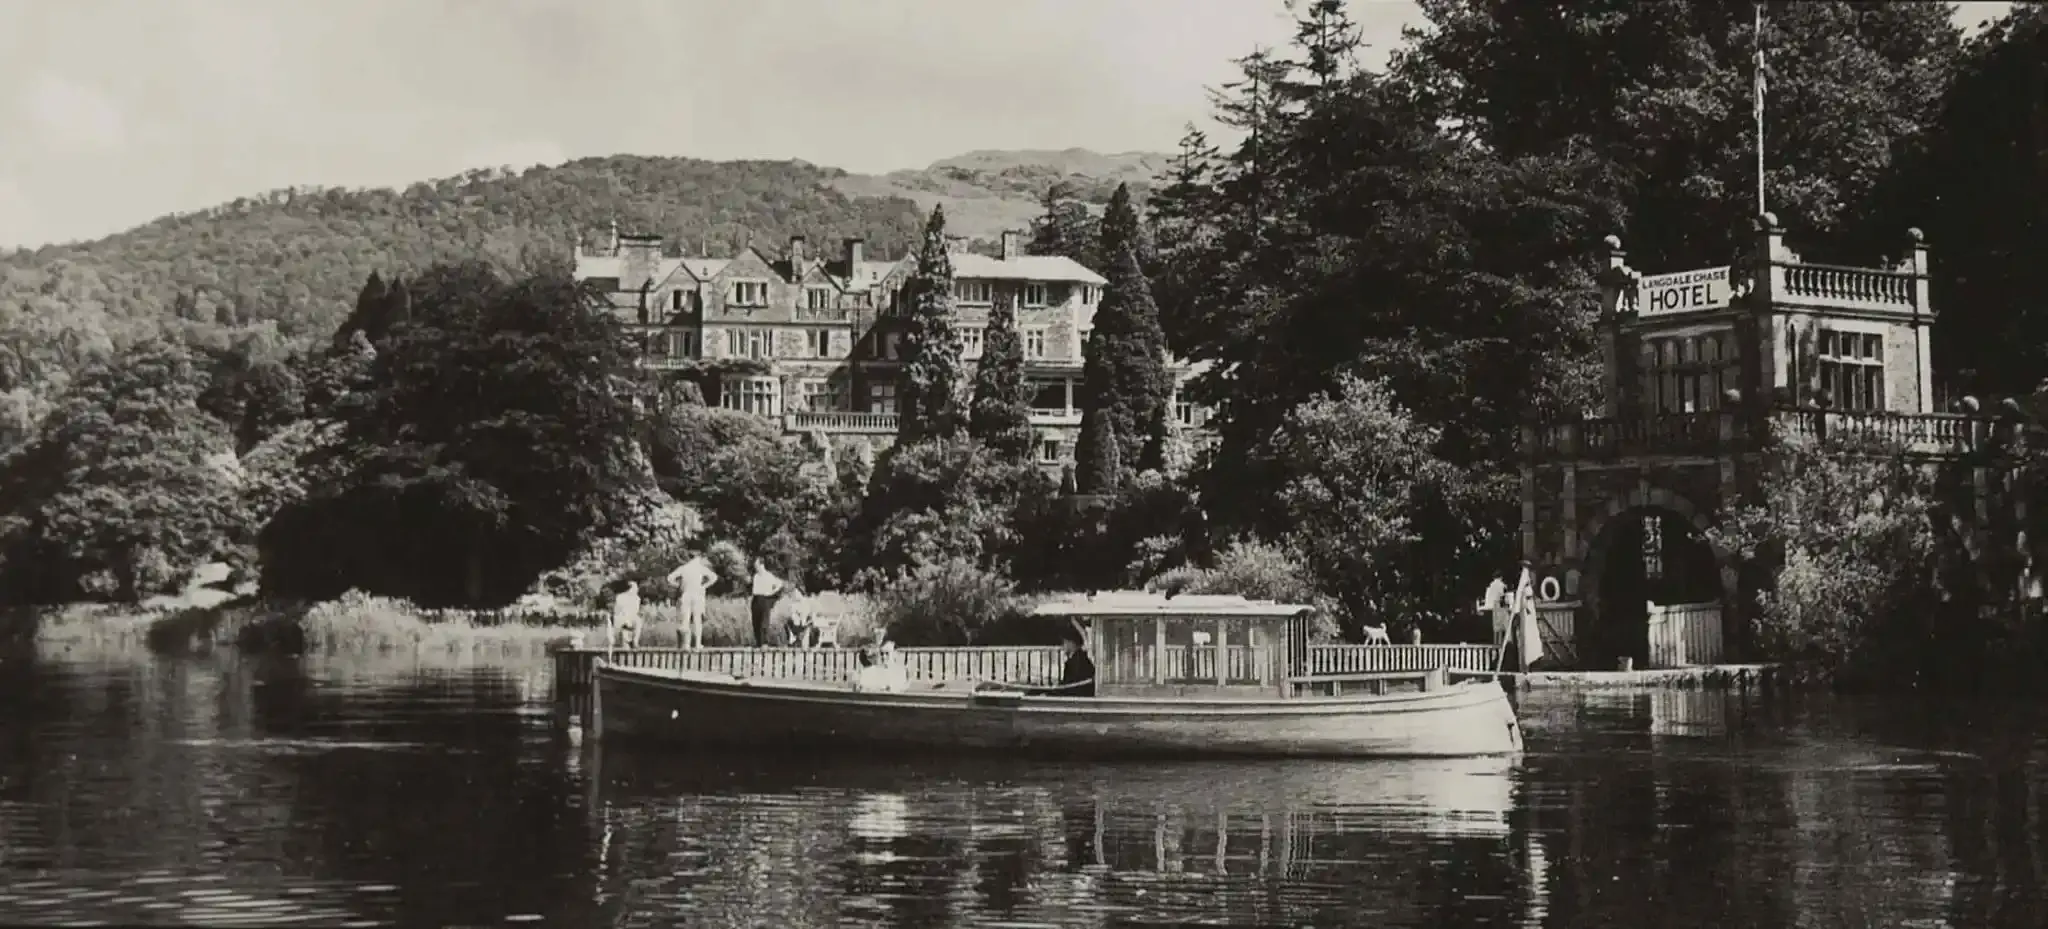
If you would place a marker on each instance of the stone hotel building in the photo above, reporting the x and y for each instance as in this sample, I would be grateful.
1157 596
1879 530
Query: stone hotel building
823 330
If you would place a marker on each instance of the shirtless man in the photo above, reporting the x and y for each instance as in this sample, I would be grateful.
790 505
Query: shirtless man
692 579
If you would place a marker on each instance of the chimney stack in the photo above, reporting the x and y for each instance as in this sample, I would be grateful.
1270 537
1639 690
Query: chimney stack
1010 249
856 252
796 256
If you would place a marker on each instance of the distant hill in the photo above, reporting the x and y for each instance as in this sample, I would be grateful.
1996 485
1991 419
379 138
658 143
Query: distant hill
986 192
297 257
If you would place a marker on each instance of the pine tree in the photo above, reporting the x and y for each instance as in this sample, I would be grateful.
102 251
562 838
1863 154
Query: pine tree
1124 370
370 303
397 306
1182 214
1002 414
1098 470
1065 228
1121 229
931 346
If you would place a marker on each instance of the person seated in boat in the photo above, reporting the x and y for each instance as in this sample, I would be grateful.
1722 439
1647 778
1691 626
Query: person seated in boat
876 670
1077 676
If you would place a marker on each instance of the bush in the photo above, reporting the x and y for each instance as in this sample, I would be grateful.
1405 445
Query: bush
950 603
645 551
1845 535
1257 571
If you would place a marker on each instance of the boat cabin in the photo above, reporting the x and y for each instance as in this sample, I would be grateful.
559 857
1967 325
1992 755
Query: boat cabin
1153 645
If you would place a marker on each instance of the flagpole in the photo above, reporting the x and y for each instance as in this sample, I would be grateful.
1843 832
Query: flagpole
1758 106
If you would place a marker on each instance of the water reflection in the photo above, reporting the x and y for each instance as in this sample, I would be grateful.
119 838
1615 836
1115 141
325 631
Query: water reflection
910 843
214 790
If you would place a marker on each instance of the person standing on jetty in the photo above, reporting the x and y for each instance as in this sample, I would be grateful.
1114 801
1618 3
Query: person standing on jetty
626 615
692 579
766 588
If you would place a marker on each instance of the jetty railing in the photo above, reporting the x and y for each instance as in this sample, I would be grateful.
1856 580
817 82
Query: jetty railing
1011 664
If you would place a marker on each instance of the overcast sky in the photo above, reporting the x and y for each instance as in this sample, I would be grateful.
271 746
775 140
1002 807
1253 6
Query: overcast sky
113 112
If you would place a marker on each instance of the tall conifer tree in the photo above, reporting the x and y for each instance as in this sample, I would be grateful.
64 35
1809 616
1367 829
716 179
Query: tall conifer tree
1002 414
931 345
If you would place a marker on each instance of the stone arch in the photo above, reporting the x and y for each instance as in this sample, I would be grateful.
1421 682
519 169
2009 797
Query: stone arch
1598 537
1654 498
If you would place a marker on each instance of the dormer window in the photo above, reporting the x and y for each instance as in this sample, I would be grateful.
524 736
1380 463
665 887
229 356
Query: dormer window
818 298
750 293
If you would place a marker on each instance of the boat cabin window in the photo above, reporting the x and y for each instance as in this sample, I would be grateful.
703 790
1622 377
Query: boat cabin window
1188 654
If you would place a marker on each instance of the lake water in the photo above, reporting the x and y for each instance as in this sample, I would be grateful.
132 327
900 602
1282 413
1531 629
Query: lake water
225 791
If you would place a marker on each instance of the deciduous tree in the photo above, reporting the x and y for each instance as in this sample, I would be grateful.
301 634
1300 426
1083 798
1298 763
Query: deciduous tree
492 440
128 487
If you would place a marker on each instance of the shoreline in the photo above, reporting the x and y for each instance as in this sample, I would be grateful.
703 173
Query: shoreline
379 627
1728 677
367 624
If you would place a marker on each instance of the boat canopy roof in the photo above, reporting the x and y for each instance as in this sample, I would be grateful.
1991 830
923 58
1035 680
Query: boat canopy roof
1145 604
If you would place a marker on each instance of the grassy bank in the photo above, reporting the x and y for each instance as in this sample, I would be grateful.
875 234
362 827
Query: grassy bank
365 624
358 623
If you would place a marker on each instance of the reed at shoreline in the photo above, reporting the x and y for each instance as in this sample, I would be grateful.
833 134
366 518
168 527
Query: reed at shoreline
361 623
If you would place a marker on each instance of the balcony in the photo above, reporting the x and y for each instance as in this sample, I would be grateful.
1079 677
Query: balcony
1056 417
1837 287
840 422
1709 434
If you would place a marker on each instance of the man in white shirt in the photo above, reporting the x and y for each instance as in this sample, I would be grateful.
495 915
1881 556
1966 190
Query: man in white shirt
692 578
766 588
626 616
1497 606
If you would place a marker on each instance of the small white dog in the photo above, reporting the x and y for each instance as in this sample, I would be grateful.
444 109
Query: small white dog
1377 635
878 671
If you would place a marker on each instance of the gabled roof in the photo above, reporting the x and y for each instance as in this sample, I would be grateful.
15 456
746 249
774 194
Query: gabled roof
771 263
706 269
1024 268
866 275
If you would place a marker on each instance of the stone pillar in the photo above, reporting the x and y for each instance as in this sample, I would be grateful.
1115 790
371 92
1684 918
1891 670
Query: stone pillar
1569 506
1923 319
1617 299
1529 511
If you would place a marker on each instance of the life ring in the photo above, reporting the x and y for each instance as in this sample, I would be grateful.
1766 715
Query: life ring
1548 590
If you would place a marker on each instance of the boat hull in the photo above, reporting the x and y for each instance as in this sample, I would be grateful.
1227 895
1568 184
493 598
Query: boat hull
1469 719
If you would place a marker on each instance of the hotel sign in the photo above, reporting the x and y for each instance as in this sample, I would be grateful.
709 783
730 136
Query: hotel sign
1684 292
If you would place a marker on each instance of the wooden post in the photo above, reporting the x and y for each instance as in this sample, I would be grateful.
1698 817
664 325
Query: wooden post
1158 651
1222 652
593 723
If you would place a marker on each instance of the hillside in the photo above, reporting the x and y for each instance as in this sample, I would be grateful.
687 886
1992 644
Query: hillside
297 256
985 192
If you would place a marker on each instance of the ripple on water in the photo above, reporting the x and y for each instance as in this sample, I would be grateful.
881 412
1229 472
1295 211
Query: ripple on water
94 898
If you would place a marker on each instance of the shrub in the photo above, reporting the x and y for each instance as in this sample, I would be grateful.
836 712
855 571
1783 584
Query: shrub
1257 571
645 551
949 603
